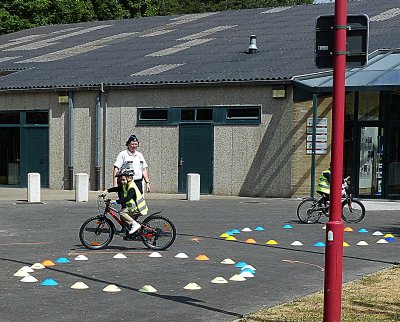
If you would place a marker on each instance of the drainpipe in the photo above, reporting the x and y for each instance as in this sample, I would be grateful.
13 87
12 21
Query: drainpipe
105 119
314 136
97 145
70 140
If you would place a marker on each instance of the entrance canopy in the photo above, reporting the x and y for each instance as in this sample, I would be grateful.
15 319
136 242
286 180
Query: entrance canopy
381 73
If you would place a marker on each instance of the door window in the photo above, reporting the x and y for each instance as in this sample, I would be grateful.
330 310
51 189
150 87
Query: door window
393 185
371 152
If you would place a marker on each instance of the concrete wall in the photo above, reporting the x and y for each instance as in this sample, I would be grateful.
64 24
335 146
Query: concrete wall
259 154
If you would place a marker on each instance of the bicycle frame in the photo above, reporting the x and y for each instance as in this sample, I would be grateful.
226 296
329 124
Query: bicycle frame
111 211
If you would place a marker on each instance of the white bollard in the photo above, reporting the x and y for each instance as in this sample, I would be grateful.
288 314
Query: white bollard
193 186
81 187
33 187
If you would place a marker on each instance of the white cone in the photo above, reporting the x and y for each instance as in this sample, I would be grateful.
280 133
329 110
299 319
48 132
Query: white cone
246 229
238 278
219 280
119 256
192 286
382 241
29 279
181 255
23 273
377 233
79 286
324 227
112 288
296 243
81 258
38 266
228 261
27 269
155 254
148 289
362 243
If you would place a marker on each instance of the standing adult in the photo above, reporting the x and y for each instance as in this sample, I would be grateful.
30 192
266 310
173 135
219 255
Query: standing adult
133 160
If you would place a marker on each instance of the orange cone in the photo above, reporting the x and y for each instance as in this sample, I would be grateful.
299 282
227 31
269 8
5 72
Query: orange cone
48 262
202 258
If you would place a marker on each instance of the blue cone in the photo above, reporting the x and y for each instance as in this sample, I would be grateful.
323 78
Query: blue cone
362 230
235 231
241 264
319 244
49 282
287 226
248 270
390 239
228 232
62 260
259 228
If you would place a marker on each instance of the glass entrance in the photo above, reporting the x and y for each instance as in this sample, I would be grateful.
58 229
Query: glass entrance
393 163
370 161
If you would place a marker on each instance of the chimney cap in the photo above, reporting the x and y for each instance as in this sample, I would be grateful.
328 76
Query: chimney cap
253 44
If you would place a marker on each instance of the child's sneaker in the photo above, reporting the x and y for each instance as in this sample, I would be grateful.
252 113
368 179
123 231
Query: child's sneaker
135 226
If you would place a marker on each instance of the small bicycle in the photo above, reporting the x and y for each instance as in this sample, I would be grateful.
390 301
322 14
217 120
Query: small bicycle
156 232
311 209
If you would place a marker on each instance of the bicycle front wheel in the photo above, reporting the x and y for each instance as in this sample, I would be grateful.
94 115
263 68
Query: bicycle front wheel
308 211
158 232
353 211
96 232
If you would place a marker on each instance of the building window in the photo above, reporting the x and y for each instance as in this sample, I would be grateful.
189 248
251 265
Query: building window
369 107
37 118
199 114
153 115
243 113
9 118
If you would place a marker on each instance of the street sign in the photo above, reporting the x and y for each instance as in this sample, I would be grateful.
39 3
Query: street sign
321 137
357 31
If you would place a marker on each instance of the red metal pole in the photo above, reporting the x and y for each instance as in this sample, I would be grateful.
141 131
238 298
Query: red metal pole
334 227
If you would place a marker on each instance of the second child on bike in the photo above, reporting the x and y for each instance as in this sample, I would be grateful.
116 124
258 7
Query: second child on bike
324 186
130 198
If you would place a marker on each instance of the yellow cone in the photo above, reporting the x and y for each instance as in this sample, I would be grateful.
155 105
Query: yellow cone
224 235
348 229
230 238
388 235
272 242
345 244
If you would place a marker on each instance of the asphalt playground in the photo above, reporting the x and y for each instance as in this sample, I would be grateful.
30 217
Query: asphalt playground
290 268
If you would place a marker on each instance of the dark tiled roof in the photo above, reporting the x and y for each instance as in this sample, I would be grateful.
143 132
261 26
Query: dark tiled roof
201 48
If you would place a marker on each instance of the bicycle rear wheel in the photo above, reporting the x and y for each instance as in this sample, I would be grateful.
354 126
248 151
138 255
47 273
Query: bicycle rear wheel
308 211
96 232
158 232
353 211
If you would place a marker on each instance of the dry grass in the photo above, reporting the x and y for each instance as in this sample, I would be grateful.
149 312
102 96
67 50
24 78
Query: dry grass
374 298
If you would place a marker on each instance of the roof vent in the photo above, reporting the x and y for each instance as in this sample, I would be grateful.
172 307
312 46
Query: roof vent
253 46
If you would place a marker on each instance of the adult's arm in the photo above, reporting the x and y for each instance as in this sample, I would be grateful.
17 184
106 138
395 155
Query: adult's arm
115 171
146 179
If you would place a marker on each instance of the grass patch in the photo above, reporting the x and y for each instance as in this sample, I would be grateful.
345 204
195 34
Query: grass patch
373 298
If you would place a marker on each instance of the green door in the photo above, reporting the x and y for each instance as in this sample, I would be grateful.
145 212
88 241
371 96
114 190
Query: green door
35 154
196 155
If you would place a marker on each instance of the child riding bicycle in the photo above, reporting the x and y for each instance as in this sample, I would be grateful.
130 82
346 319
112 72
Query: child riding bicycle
129 197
